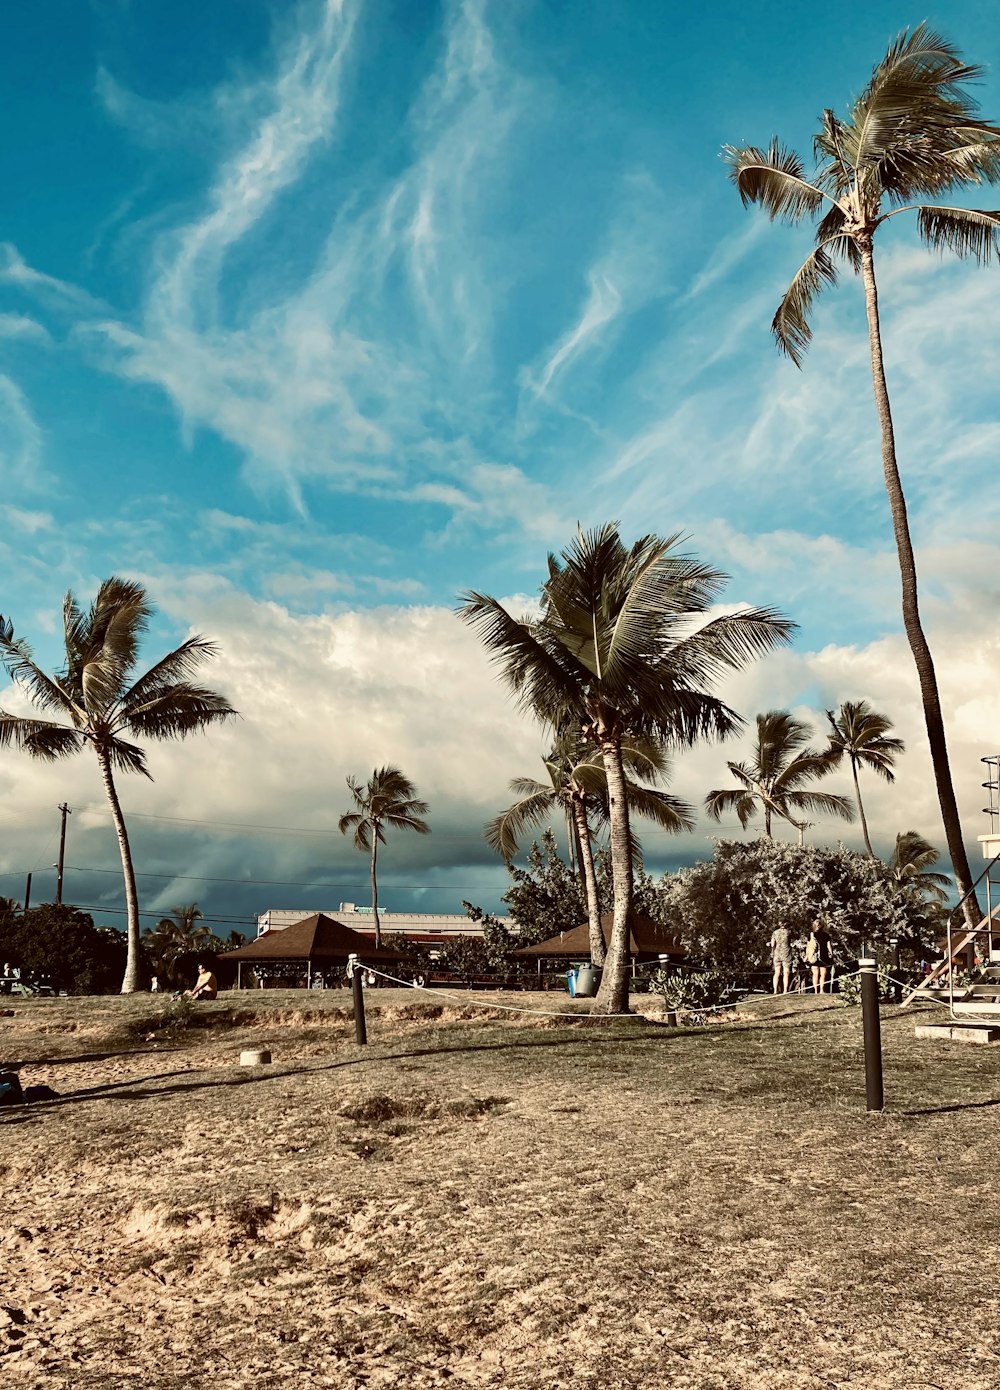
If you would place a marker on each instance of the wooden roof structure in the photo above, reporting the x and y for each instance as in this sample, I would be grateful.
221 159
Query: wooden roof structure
316 940
647 940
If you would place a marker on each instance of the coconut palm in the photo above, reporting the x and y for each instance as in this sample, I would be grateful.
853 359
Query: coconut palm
914 133
622 649
578 786
97 691
183 933
860 733
911 862
776 778
387 802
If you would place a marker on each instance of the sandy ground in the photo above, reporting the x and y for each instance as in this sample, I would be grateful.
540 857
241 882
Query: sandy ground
489 1204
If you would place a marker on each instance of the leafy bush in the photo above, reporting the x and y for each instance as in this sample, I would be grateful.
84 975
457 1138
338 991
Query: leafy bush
703 989
849 988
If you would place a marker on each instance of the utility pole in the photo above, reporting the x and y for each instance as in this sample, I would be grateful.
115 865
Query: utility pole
27 896
62 851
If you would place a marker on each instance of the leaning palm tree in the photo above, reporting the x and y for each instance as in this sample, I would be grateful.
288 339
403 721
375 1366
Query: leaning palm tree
912 862
387 802
861 734
776 778
623 648
578 786
914 133
96 690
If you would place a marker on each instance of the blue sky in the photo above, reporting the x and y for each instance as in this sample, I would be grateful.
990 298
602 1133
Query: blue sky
314 315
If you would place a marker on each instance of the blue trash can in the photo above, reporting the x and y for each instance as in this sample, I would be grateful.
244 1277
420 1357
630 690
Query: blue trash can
571 983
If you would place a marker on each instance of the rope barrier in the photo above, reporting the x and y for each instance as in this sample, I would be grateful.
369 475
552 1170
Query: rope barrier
550 1013
483 1004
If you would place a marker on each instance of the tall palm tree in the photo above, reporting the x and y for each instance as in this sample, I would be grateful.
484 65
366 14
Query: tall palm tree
860 734
387 802
913 133
622 648
97 691
776 778
578 786
912 861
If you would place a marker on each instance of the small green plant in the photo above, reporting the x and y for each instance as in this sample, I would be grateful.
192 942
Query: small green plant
704 989
849 988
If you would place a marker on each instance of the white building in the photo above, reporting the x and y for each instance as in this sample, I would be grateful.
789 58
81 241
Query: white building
428 927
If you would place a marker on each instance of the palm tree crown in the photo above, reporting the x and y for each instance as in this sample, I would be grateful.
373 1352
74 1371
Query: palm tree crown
388 801
776 777
578 786
912 861
623 647
98 692
183 933
861 734
914 133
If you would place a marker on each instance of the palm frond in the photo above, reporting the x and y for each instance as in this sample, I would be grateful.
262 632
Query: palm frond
127 757
174 711
971 232
774 178
176 668
790 324
822 803
728 642
536 668
39 737
503 834
741 802
914 118
666 811
18 659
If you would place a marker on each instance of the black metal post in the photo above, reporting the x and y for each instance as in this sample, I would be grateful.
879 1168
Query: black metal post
27 894
357 984
871 1024
62 851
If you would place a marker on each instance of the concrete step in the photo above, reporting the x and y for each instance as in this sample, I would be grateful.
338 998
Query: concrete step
981 1032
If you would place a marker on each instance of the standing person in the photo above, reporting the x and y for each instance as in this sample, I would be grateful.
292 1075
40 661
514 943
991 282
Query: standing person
781 959
819 955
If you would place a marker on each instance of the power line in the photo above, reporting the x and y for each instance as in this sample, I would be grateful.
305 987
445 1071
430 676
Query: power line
312 829
279 882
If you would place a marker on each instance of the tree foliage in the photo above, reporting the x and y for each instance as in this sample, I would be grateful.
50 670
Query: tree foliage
726 908
59 945
108 705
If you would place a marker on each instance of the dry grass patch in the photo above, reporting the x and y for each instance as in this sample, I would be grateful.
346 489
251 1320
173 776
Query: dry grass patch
496 1204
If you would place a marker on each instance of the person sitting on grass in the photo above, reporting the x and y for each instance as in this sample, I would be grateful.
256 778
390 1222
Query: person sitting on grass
206 986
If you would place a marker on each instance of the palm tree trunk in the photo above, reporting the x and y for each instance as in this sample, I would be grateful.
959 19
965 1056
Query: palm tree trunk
911 613
571 840
767 822
130 984
612 997
582 835
375 917
861 809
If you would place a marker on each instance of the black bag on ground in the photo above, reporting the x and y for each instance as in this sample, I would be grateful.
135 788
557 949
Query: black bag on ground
10 1089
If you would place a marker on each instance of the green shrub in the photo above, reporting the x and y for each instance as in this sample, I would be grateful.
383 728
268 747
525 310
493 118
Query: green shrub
703 989
849 988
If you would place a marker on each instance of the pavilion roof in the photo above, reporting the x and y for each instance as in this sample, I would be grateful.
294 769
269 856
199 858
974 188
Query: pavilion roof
646 939
318 938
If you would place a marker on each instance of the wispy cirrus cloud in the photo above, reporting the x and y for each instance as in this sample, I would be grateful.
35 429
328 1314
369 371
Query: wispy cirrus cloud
348 372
